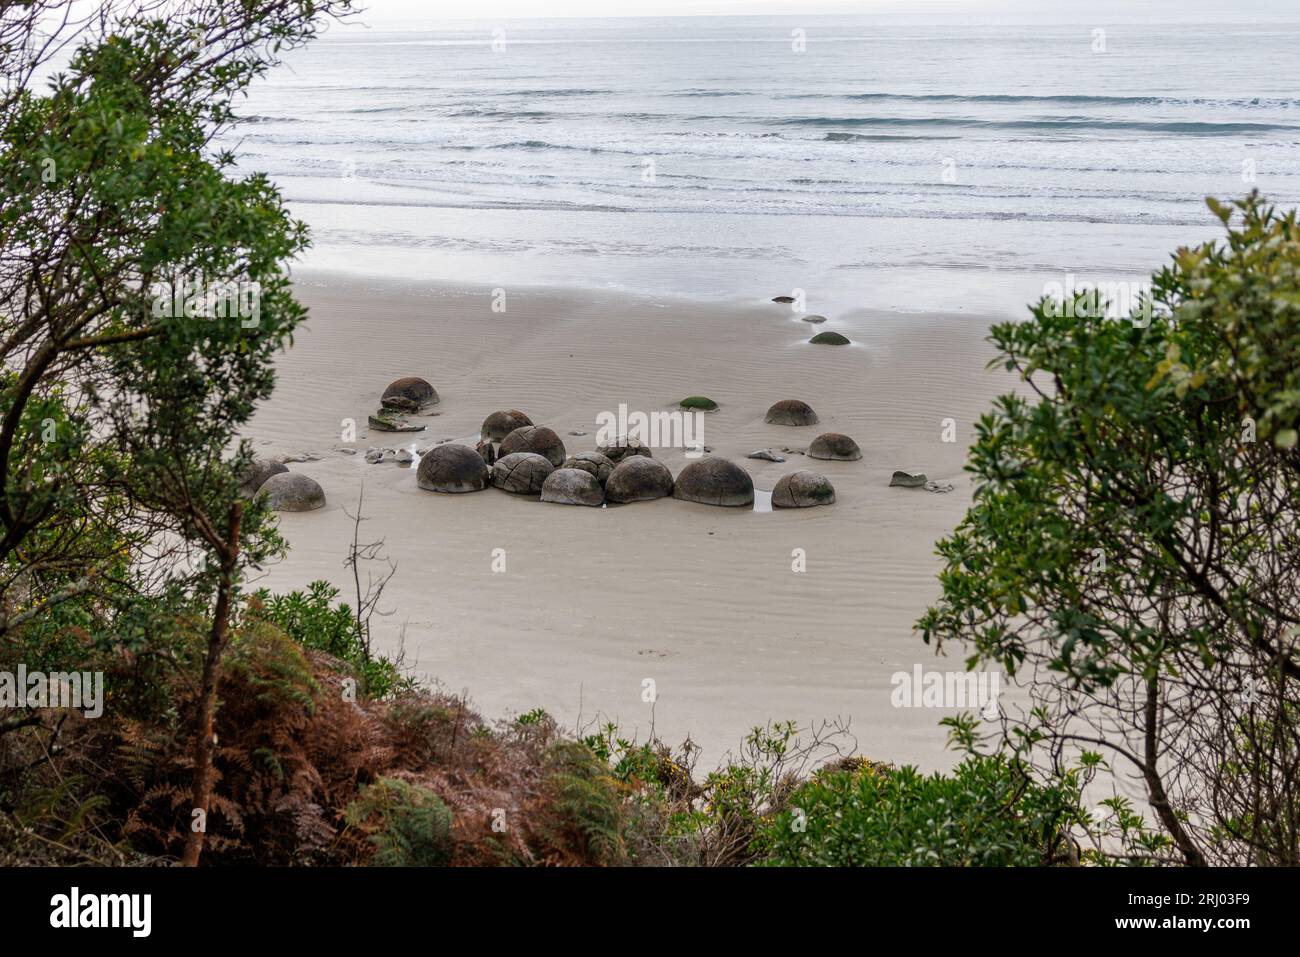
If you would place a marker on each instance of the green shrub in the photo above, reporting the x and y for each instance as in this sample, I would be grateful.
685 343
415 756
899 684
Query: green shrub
313 620
986 814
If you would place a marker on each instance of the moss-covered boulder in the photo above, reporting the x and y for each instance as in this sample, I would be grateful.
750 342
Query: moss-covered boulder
409 394
829 339
700 403
833 446
534 438
638 479
521 472
452 468
593 462
573 487
292 492
791 412
803 489
714 482
500 424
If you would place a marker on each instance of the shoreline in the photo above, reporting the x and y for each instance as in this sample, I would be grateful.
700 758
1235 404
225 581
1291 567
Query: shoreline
701 600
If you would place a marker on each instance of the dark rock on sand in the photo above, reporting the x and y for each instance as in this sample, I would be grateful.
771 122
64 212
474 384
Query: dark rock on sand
534 438
810 317
452 468
500 424
572 487
292 492
409 394
908 479
258 472
834 446
714 482
521 472
791 412
829 339
623 448
785 299
802 489
593 462
638 479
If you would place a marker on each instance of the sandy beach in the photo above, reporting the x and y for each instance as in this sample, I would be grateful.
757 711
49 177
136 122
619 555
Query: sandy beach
703 600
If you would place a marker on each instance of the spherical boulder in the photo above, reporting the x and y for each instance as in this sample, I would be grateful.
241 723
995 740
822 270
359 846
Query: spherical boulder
408 394
534 438
257 473
829 339
452 468
521 472
834 447
292 492
638 479
802 489
573 487
500 424
622 448
593 462
791 412
714 482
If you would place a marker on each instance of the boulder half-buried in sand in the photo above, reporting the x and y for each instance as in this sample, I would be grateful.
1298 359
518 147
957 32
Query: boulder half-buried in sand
791 412
409 394
292 492
500 424
803 489
833 446
622 448
258 472
592 462
829 339
534 438
452 468
714 482
638 479
521 472
572 487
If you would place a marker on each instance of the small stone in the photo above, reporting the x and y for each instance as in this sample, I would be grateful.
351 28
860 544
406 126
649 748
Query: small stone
938 486
908 479
347 451
813 318
384 422
374 456
785 299
577 433
766 454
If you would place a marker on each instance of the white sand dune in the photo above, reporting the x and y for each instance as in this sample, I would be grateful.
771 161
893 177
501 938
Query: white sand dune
594 601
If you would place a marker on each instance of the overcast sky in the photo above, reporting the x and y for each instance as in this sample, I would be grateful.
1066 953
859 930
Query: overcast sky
381 12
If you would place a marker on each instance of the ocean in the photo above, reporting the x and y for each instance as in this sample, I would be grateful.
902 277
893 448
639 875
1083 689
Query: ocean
875 163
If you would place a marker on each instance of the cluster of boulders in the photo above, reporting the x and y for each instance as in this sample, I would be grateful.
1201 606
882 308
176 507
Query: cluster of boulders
517 456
